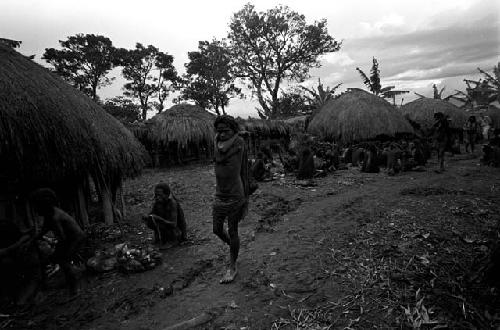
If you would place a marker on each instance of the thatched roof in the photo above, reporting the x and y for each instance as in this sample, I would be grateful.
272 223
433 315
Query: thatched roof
265 128
422 112
183 124
356 116
49 131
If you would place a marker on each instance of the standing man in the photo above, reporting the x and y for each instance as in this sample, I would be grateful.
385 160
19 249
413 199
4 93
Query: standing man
485 126
232 187
442 138
470 133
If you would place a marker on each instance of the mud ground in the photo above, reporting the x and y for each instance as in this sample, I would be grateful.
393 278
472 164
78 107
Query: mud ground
354 251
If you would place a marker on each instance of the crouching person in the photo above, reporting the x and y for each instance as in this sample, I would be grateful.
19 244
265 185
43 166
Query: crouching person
166 218
70 237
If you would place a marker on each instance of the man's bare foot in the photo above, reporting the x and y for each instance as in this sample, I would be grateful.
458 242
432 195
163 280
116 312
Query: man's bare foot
229 276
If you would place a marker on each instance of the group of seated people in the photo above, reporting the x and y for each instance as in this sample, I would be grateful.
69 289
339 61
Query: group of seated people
395 156
312 160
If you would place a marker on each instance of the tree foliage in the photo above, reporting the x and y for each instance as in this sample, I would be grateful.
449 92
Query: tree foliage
150 73
123 109
492 85
293 102
271 47
374 85
317 98
208 80
84 61
436 93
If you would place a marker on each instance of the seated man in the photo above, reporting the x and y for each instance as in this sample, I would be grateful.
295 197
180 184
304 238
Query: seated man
70 237
306 164
259 169
166 218
21 270
370 164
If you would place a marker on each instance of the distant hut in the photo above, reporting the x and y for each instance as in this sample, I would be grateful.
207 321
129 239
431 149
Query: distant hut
357 116
298 123
421 112
52 135
266 133
178 135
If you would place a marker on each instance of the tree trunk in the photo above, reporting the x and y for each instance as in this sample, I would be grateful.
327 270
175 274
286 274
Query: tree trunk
107 202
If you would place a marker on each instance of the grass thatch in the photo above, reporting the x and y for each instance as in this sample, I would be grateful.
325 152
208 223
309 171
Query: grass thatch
356 116
266 128
182 124
422 111
49 131
297 123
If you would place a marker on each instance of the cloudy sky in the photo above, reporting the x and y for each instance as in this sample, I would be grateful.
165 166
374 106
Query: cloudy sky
417 42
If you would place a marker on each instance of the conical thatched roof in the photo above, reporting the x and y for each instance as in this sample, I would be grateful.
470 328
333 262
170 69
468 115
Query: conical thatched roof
265 128
50 132
356 116
422 112
183 124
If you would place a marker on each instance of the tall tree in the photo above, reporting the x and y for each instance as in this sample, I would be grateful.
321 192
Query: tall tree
123 109
374 85
84 61
167 78
271 47
209 80
149 71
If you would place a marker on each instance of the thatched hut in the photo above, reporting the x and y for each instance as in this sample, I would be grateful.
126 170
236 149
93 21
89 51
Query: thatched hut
265 133
52 135
421 112
177 135
357 116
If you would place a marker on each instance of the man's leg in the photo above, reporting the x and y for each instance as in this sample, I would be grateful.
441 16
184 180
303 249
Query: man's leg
441 152
218 228
234 245
181 222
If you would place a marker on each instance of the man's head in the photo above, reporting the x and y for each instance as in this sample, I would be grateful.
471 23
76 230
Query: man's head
43 201
162 192
226 127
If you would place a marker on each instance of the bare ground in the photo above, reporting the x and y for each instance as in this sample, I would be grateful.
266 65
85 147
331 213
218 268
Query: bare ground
355 251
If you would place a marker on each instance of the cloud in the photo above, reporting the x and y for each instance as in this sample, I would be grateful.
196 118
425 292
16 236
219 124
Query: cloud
384 25
339 58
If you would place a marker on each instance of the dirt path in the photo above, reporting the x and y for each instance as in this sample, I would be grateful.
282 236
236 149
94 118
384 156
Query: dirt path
350 252
284 260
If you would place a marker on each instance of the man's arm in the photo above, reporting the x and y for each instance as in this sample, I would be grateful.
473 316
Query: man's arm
8 250
171 216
